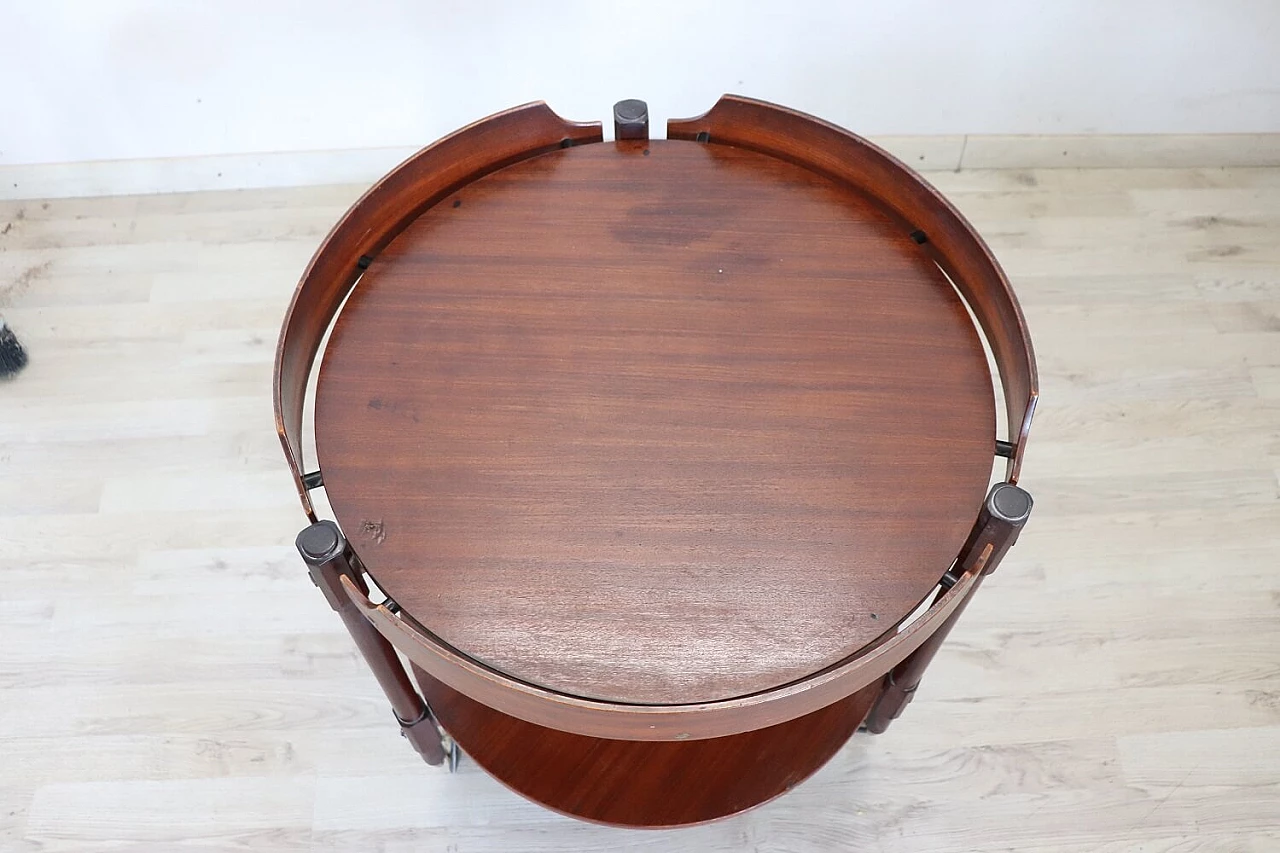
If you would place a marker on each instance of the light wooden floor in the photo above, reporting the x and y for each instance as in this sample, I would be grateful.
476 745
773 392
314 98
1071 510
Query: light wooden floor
169 679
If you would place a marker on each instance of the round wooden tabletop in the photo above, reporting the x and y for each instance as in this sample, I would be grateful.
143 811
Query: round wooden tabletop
655 422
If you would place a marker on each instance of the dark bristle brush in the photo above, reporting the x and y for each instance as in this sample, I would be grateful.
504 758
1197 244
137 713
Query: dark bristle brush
12 356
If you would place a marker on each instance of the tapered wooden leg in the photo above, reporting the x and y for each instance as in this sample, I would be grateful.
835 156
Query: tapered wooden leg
1003 515
325 551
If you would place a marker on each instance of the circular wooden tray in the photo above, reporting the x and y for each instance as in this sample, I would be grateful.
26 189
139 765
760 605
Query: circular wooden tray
655 422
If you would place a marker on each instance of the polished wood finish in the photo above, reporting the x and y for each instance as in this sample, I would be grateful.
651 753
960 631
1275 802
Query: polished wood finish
635 783
655 423
661 722
380 213
952 241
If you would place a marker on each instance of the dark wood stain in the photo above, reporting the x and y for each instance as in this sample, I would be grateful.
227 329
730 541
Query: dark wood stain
645 783
392 203
645 471
833 151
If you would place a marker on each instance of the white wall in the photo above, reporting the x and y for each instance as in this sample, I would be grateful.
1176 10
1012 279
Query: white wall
108 79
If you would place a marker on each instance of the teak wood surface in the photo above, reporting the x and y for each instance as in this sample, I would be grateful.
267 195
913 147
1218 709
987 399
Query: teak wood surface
639 783
655 422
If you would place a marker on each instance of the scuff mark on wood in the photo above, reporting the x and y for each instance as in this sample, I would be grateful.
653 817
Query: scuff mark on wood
374 530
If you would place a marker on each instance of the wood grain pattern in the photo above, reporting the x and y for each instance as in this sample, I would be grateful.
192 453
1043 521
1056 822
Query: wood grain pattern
646 784
172 681
655 423
663 722
950 239
374 219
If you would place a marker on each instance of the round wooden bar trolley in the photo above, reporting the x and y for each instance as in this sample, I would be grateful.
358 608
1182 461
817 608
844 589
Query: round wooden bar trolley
670 460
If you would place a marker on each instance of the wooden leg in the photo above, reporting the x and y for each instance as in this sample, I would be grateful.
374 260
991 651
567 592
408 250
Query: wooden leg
1003 515
325 551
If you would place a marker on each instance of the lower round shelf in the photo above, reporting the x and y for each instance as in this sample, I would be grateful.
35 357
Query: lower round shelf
645 783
